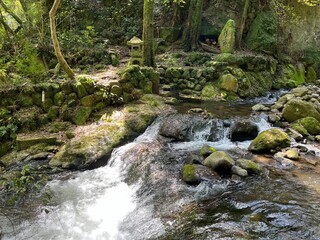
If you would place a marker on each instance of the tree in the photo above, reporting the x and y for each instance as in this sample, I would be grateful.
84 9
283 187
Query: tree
191 31
242 22
65 66
148 35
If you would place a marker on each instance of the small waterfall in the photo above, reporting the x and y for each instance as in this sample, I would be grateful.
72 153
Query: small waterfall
91 204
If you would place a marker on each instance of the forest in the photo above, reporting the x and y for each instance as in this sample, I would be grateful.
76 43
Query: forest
169 119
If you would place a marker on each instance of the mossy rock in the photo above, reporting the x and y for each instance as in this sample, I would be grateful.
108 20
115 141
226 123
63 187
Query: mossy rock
311 124
80 90
227 37
127 87
219 161
267 140
228 82
300 129
311 75
87 83
81 115
58 127
188 174
25 101
296 109
53 113
72 100
4 148
37 99
250 166
206 150
47 104
262 35
116 90
209 91
59 98
99 106
24 142
87 101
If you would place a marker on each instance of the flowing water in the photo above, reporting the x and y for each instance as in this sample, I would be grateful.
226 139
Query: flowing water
140 195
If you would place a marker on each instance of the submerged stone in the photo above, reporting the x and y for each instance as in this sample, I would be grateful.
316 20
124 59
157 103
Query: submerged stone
243 130
250 166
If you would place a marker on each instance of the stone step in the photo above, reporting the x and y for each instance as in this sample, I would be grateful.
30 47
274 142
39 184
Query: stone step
26 141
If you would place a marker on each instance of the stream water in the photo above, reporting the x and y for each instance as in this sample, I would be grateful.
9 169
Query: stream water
140 195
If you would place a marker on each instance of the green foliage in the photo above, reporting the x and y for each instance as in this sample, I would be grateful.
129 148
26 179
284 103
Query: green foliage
28 181
28 63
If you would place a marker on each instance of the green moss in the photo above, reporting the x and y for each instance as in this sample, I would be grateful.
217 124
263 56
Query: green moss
207 150
188 173
53 113
209 91
270 139
300 129
228 82
59 98
87 101
80 89
311 124
58 127
115 60
87 83
311 75
262 34
26 101
4 148
227 37
249 165
81 115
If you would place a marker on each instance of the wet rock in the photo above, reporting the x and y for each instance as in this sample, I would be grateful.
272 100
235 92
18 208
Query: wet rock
273 138
243 130
205 174
220 162
193 159
273 118
239 171
206 150
260 107
250 166
178 126
295 134
296 109
188 174
94 143
292 154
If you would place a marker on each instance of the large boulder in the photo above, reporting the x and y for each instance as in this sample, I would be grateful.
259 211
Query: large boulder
243 130
227 37
297 108
93 144
273 138
220 162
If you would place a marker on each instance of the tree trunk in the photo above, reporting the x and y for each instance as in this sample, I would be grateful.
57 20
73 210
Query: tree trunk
55 40
148 34
242 22
191 31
